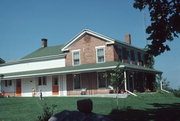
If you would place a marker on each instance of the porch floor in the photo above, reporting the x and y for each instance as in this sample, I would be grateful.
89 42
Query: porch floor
125 95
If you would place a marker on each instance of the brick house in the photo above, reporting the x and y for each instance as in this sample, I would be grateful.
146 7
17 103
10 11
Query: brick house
85 62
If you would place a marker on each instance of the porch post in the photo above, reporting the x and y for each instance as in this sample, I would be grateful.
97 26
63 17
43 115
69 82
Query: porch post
1 77
0 86
125 80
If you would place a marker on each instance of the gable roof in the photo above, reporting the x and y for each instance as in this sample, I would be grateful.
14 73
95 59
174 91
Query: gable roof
81 34
108 39
47 51
1 61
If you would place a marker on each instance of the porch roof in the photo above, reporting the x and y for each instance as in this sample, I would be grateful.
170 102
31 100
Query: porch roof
77 69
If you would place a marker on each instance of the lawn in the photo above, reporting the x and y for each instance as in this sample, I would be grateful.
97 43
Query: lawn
147 107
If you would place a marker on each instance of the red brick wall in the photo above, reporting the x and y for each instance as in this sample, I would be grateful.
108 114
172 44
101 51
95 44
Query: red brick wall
87 48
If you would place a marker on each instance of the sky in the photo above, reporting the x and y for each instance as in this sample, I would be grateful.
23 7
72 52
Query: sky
23 23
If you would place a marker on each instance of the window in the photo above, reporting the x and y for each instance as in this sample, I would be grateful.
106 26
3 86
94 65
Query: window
139 56
128 56
42 81
102 79
77 81
39 81
55 80
136 58
76 57
124 53
100 58
119 53
8 83
132 55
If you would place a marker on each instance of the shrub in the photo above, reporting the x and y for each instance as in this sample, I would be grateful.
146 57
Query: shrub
48 111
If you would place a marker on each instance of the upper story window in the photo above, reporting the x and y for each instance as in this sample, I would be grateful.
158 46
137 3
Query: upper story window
128 56
77 81
136 58
132 55
42 81
100 54
119 53
102 77
76 57
124 53
139 56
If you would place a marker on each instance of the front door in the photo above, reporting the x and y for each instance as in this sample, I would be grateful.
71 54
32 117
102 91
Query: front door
55 85
18 87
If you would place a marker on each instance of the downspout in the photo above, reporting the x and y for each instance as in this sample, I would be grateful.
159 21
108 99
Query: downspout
161 87
125 84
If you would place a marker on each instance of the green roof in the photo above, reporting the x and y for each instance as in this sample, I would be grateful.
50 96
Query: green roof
76 69
47 51
1 61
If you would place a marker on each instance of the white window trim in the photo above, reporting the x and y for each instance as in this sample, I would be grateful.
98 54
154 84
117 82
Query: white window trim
78 50
100 47
80 81
98 80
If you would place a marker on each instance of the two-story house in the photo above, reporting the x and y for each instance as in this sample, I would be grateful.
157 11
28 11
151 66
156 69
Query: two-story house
86 61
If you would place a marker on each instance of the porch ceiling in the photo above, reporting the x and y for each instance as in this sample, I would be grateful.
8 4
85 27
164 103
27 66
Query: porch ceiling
76 69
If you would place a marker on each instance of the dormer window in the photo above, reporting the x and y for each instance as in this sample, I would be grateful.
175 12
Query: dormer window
100 54
76 57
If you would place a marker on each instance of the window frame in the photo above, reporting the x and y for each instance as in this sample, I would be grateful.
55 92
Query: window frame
98 80
73 51
55 79
80 85
42 81
100 47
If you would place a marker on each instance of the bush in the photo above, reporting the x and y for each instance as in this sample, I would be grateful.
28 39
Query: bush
48 111
176 93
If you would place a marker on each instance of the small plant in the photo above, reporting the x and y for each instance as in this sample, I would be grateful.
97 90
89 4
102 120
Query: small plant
48 111
176 92
117 78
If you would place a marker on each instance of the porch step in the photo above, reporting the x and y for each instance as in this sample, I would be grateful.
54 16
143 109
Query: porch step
102 95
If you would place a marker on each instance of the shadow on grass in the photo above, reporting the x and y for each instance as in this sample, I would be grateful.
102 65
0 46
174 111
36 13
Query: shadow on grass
162 112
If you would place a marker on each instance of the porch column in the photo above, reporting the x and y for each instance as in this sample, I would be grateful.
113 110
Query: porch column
0 85
1 77
125 80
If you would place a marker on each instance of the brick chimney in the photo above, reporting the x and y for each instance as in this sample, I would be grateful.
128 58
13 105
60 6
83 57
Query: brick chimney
128 38
44 43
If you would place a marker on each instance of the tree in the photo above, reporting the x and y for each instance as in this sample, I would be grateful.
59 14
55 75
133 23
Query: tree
164 23
149 59
165 83
117 78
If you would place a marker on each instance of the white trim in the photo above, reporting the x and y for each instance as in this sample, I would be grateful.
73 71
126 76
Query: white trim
100 47
88 32
78 50
35 59
61 72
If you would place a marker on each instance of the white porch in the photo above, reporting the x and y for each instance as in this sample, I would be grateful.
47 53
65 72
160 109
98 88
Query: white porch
25 86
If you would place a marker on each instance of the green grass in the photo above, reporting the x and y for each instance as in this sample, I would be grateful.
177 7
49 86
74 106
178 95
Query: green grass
144 107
